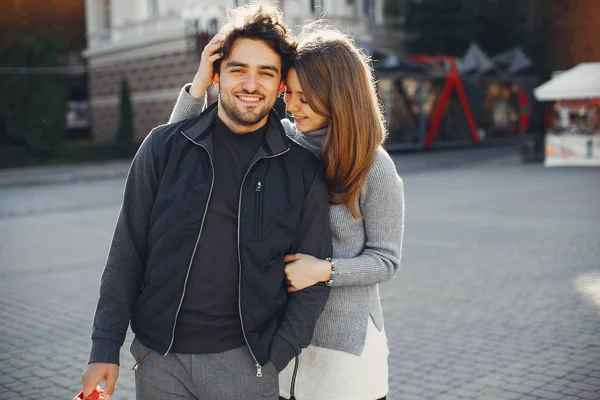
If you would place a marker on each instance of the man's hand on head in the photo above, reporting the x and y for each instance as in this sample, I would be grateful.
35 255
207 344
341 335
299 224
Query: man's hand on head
205 73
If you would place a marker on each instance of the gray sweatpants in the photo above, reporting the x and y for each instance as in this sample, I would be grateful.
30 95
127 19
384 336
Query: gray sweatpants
230 375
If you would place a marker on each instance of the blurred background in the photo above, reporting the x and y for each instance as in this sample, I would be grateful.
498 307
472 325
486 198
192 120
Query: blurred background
100 74
498 294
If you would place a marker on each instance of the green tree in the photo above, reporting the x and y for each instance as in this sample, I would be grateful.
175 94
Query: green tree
447 27
126 133
33 102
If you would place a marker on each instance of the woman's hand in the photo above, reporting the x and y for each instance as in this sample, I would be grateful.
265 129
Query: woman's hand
205 73
302 271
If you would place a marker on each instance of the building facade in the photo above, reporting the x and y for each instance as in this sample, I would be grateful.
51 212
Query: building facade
155 45
577 30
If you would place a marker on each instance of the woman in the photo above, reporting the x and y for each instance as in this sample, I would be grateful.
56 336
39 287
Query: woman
330 92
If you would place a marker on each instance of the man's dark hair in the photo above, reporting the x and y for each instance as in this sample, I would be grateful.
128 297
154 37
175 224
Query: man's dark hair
260 21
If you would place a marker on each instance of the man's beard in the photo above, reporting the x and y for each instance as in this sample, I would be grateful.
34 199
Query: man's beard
239 117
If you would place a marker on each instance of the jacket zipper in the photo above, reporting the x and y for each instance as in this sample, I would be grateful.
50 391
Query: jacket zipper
258 211
256 363
197 241
293 385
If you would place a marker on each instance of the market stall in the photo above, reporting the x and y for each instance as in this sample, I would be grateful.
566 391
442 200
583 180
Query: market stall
447 101
573 116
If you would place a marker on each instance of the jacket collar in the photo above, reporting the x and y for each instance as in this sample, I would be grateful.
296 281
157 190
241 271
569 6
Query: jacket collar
199 130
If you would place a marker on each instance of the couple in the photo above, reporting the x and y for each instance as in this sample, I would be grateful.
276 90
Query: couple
234 250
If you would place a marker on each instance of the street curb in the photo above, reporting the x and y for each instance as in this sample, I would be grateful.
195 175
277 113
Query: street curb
407 163
34 176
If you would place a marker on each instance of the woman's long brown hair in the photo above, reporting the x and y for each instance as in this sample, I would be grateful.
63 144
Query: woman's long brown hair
338 83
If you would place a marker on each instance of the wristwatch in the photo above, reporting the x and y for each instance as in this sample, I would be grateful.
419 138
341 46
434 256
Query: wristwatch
330 281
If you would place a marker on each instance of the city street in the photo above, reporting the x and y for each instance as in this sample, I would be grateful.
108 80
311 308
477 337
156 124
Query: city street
498 295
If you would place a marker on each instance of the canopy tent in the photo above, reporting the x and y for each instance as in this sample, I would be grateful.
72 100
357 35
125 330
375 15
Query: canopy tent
578 83
476 61
506 64
513 60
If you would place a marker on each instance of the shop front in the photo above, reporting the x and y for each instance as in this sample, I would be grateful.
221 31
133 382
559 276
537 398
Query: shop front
573 116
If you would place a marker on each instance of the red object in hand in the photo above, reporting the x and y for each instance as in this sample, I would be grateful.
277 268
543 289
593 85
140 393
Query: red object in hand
97 394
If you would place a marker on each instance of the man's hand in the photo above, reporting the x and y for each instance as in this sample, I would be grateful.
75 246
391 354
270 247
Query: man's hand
204 75
302 271
100 372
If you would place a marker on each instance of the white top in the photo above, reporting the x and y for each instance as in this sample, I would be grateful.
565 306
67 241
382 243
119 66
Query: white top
335 375
578 83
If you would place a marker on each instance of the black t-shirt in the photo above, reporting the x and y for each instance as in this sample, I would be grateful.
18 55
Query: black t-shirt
209 320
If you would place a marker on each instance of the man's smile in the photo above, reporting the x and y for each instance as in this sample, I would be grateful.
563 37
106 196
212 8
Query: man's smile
249 99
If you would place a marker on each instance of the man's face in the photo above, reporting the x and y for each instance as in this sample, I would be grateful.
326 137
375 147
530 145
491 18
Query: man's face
249 83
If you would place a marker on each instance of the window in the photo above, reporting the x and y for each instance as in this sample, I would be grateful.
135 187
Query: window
153 8
106 14
319 5
369 10
213 26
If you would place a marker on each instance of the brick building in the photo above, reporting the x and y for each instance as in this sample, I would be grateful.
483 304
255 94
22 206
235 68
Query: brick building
152 43
578 23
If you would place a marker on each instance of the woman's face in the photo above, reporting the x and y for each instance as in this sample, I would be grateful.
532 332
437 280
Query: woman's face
306 119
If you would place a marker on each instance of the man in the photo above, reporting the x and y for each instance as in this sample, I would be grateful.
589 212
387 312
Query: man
211 207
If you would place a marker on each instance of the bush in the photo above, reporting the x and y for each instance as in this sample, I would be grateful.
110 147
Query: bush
126 132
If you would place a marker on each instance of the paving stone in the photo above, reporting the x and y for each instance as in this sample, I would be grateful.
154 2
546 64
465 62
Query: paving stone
592 381
5 379
42 372
491 382
32 394
448 397
553 388
501 394
411 389
544 394
64 393
588 395
584 386
514 379
457 316
443 380
474 387
575 377
561 382
20 374
557 373
517 388
464 393
408 396
19 387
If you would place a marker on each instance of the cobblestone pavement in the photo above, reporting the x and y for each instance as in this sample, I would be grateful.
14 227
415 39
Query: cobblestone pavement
498 296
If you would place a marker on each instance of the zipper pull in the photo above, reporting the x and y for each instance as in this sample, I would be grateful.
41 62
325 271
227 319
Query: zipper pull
258 368
258 187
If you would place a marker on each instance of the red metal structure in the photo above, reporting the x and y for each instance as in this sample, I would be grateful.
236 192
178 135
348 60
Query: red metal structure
453 81
446 66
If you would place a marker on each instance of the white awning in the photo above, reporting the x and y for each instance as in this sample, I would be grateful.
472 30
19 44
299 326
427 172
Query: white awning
578 83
